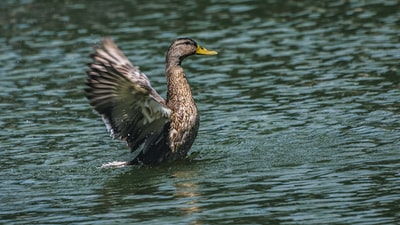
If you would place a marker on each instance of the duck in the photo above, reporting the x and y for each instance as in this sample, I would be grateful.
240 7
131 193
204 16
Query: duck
155 129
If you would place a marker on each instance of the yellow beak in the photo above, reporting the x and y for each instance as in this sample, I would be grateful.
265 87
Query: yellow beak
203 51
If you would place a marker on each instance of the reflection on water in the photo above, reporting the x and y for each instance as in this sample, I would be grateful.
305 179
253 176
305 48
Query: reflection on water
146 192
188 191
299 113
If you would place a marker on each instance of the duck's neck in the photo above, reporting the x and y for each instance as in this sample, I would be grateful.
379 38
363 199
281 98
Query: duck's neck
178 89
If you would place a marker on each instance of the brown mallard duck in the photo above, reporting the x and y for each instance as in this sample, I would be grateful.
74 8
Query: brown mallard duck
156 130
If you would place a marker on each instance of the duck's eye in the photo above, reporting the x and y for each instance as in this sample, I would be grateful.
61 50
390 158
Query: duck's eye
188 43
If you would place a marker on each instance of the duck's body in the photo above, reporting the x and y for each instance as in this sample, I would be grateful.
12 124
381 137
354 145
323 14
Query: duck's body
155 129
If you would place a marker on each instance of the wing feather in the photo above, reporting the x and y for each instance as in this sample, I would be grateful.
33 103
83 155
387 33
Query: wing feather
131 109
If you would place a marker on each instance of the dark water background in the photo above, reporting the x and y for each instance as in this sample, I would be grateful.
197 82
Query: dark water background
300 113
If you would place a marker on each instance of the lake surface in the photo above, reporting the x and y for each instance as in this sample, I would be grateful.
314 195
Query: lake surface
300 113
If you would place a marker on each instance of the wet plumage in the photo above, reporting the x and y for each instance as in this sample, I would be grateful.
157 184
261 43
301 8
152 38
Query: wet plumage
155 129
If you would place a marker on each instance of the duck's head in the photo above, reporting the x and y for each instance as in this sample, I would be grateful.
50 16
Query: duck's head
184 47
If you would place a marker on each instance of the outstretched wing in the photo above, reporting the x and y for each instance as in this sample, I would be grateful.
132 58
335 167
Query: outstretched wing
131 109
